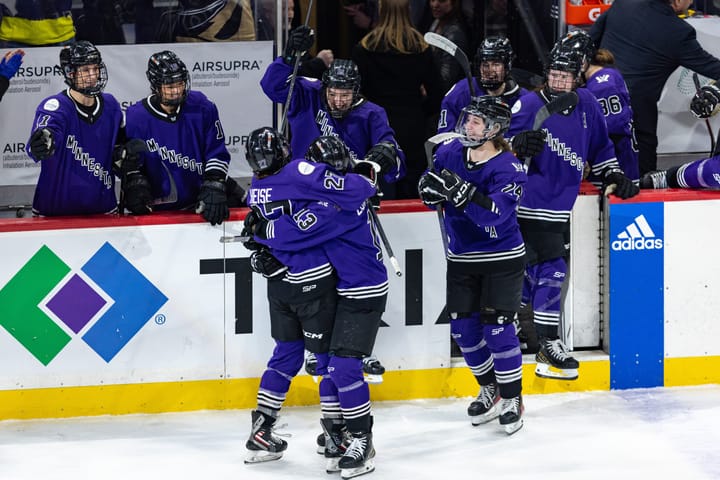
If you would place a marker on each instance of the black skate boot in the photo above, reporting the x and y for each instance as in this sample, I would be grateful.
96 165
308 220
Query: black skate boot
311 364
553 361
373 370
263 445
511 410
336 441
358 459
654 180
484 407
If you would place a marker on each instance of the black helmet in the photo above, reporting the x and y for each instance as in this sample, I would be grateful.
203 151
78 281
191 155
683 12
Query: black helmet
497 49
495 114
165 68
581 41
342 74
82 53
266 150
330 150
566 59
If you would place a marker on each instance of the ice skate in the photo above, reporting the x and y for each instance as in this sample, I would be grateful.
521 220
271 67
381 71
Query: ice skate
484 408
373 370
320 441
359 456
263 445
336 440
511 410
654 180
553 361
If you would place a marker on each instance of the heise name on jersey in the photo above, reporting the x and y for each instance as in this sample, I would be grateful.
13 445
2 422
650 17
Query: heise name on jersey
106 303
637 235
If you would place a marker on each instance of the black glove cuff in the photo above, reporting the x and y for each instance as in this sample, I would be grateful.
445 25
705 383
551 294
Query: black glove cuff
214 185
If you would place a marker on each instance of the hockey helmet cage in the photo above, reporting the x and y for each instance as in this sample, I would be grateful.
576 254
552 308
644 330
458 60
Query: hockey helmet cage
166 68
341 74
495 114
266 151
330 150
76 55
497 49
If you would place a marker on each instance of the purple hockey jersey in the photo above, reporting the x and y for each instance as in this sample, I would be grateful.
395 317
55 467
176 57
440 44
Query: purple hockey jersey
458 97
479 234
181 146
555 174
77 179
364 126
611 92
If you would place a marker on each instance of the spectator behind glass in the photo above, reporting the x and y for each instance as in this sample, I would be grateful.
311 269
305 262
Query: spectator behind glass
220 21
9 66
449 22
33 23
398 73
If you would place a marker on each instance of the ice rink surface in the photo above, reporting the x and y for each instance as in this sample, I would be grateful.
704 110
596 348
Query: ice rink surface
633 434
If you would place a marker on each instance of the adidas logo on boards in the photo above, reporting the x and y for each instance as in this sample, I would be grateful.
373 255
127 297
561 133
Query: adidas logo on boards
637 236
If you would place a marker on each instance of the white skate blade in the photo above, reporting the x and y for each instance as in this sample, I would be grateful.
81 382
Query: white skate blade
544 370
511 428
491 414
331 466
260 456
374 379
356 472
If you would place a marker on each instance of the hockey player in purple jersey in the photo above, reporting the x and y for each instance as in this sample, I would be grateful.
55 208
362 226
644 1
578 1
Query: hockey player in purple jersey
479 182
703 173
186 164
350 243
73 136
493 61
301 297
608 86
573 138
333 106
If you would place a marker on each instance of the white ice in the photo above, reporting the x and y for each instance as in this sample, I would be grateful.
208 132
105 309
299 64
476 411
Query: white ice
631 434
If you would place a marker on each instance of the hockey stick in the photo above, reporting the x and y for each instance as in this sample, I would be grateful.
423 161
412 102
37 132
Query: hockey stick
556 105
696 80
293 77
430 146
384 239
449 47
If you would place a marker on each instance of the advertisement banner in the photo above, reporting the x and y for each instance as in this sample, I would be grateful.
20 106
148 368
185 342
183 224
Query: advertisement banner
228 73
636 250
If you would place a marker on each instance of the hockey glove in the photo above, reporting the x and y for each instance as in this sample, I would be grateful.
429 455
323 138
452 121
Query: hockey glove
251 219
9 67
383 154
368 170
431 188
624 187
706 101
299 41
126 158
458 191
264 263
528 143
42 144
374 202
212 202
136 190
